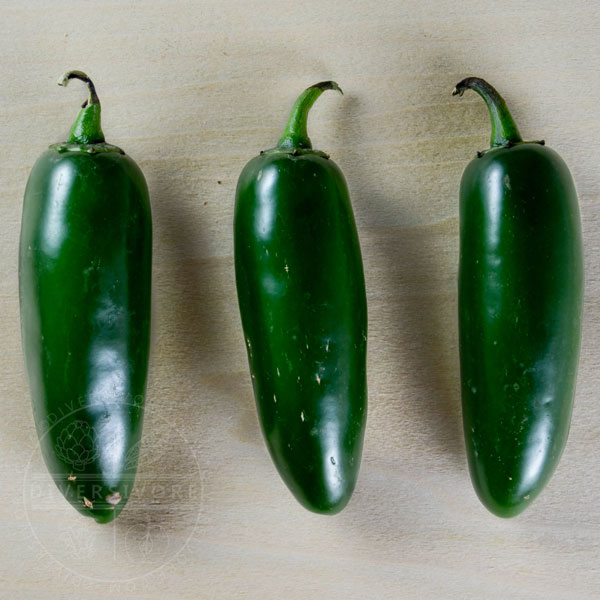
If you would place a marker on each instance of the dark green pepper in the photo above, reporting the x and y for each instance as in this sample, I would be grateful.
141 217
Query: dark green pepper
302 300
85 276
520 304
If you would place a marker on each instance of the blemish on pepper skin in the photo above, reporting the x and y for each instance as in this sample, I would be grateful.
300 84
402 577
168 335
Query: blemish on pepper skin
114 498
71 477
87 503
318 379
506 181
302 416
275 398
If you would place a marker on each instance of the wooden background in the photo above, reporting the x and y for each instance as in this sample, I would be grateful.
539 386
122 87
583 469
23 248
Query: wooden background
192 90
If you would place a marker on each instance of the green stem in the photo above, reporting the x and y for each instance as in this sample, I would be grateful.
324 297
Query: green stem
504 129
87 128
295 136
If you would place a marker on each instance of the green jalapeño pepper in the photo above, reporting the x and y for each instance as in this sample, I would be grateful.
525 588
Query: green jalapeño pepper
84 277
302 301
520 304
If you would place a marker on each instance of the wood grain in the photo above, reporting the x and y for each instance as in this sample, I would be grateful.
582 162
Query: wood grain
192 90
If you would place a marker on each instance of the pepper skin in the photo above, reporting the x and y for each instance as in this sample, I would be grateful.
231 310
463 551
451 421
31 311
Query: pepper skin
520 304
302 301
84 276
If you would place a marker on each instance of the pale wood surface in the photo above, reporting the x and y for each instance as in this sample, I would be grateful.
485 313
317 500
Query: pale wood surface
192 90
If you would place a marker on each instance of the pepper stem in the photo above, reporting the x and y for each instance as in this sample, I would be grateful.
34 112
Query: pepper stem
295 135
504 129
87 128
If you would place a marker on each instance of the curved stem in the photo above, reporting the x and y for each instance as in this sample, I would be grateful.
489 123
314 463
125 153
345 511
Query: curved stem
504 129
295 135
87 128
64 80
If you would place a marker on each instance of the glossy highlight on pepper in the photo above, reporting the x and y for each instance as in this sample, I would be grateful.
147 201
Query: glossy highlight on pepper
520 304
302 301
84 288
